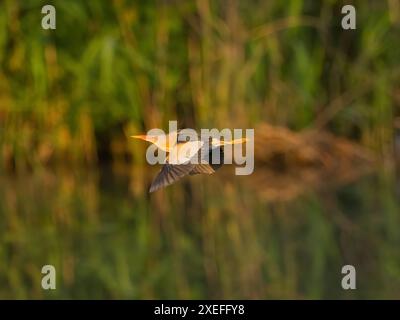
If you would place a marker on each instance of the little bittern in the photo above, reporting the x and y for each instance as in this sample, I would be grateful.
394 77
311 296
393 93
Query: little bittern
186 157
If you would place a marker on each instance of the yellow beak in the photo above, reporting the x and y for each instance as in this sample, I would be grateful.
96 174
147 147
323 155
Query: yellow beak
145 137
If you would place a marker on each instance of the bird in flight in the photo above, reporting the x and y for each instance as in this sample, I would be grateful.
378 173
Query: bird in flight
186 157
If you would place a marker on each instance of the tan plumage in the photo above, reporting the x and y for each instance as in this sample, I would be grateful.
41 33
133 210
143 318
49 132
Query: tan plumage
186 157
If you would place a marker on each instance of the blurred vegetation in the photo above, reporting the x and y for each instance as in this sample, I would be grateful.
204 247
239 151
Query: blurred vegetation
108 240
115 68
70 97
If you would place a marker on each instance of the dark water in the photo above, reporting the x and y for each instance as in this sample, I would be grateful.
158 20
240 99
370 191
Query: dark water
220 236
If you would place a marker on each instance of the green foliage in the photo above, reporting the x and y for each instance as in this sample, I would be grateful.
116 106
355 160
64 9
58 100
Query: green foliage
70 97
106 239
114 68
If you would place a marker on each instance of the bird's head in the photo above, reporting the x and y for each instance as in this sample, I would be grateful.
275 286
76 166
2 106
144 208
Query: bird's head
161 141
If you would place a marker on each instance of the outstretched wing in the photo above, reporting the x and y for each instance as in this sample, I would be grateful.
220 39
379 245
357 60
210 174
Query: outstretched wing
214 161
169 174
202 168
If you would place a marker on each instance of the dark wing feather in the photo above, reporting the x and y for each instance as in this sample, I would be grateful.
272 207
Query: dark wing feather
202 168
210 167
169 174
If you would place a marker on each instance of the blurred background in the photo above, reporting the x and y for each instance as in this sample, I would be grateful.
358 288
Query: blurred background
324 103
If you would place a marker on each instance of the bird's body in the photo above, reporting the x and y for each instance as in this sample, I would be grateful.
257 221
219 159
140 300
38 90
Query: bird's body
187 158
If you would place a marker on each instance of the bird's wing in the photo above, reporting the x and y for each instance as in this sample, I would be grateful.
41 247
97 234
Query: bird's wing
181 162
209 167
202 168
169 174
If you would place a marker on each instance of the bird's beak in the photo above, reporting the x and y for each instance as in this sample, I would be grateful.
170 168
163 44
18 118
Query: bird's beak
145 137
